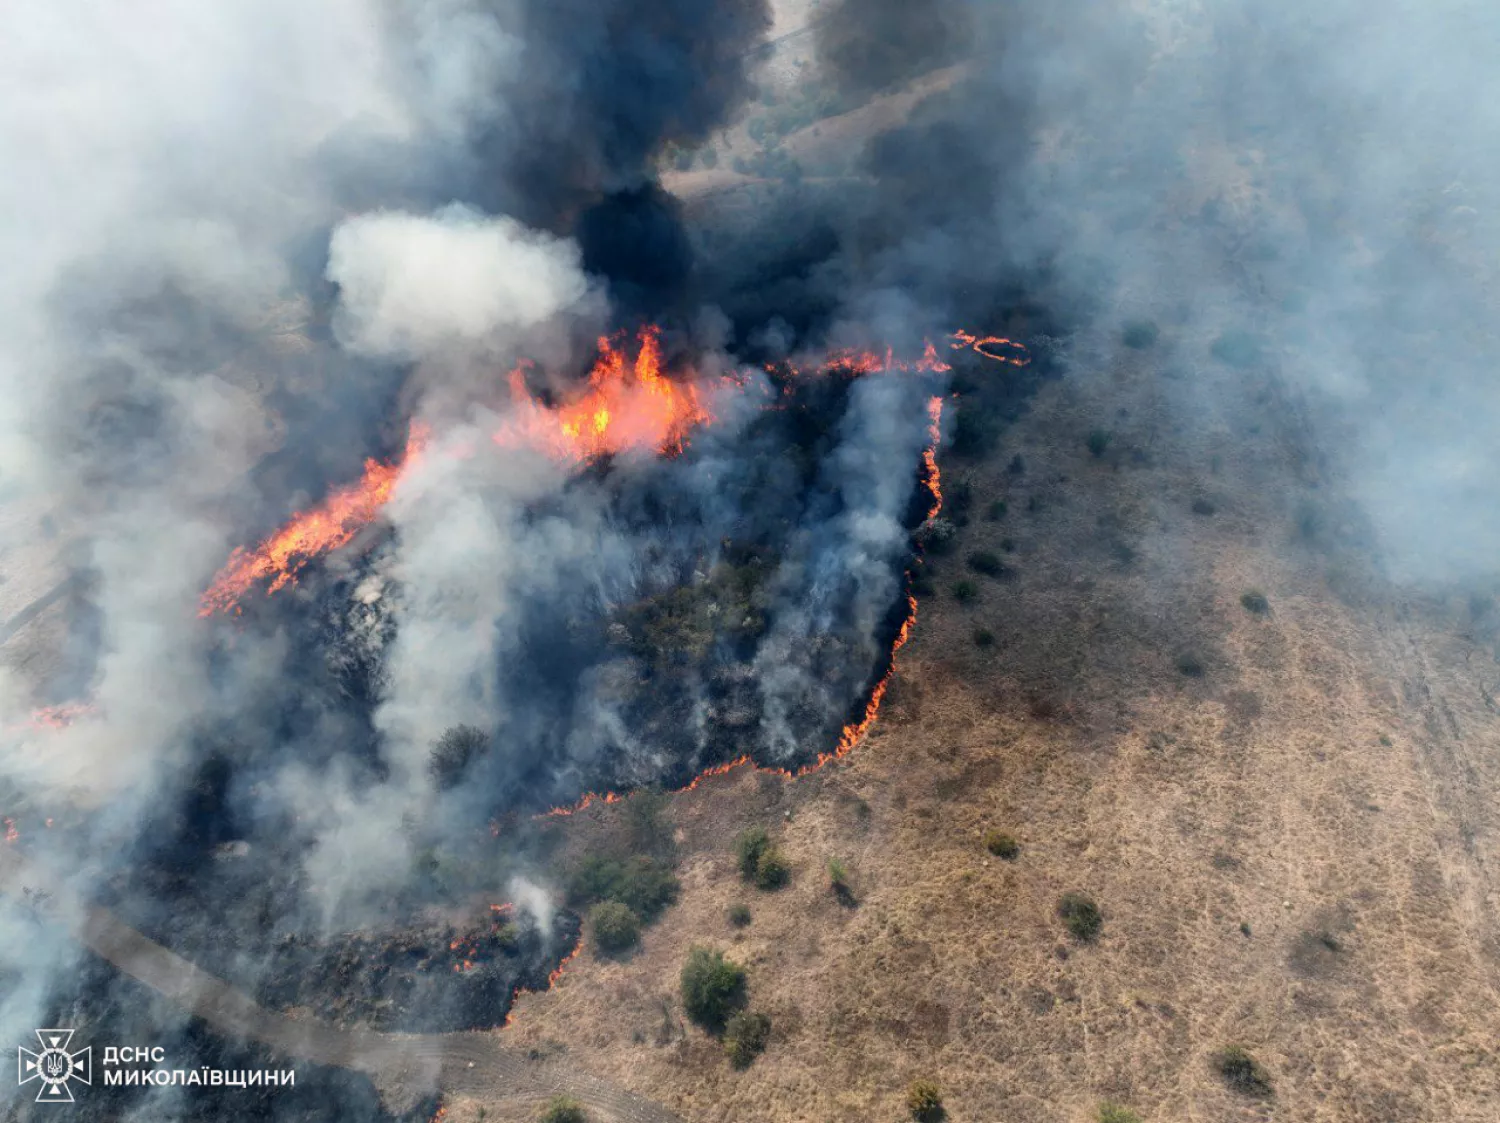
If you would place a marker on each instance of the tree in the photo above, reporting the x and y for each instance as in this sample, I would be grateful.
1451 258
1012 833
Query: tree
454 751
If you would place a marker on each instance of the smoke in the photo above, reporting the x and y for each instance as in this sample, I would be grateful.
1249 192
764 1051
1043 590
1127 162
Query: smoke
1306 178
249 247
410 286
256 246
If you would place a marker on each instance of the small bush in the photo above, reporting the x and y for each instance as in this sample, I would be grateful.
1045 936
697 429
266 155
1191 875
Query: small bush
454 751
965 591
713 988
983 637
1255 603
1117 1113
1190 665
562 1109
1138 336
745 1038
749 845
924 1100
614 926
1080 915
1241 1071
739 916
1098 442
1002 845
772 871
997 510
1203 507
1238 349
838 873
975 432
982 561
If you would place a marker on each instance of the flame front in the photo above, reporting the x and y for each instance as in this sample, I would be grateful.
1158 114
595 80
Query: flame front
625 406
331 524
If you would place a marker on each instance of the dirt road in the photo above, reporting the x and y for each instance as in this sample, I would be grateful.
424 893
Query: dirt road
405 1067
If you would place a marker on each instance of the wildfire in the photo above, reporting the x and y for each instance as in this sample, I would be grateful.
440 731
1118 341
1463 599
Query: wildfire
11 833
310 533
557 973
625 406
60 717
853 733
995 347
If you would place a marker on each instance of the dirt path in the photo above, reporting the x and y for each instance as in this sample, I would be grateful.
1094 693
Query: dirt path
404 1067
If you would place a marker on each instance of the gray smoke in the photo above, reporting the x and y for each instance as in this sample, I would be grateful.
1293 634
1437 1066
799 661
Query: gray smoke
1307 182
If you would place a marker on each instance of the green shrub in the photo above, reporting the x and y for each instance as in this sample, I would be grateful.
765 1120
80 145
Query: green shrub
614 926
1255 603
924 1100
749 845
772 870
983 561
1190 665
838 873
1140 334
997 510
1098 442
562 1109
1203 507
745 1037
965 591
983 637
640 883
1117 1113
713 988
1080 915
1241 1071
1002 845
739 915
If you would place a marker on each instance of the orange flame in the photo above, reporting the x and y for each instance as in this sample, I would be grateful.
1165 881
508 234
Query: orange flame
1009 351
557 973
331 524
624 407
11 834
62 716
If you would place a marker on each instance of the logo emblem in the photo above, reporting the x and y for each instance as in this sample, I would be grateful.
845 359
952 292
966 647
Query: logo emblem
54 1066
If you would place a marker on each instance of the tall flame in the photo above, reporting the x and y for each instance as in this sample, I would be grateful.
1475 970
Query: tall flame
329 525
624 407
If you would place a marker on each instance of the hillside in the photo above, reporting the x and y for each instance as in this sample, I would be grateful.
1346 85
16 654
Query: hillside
1287 833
